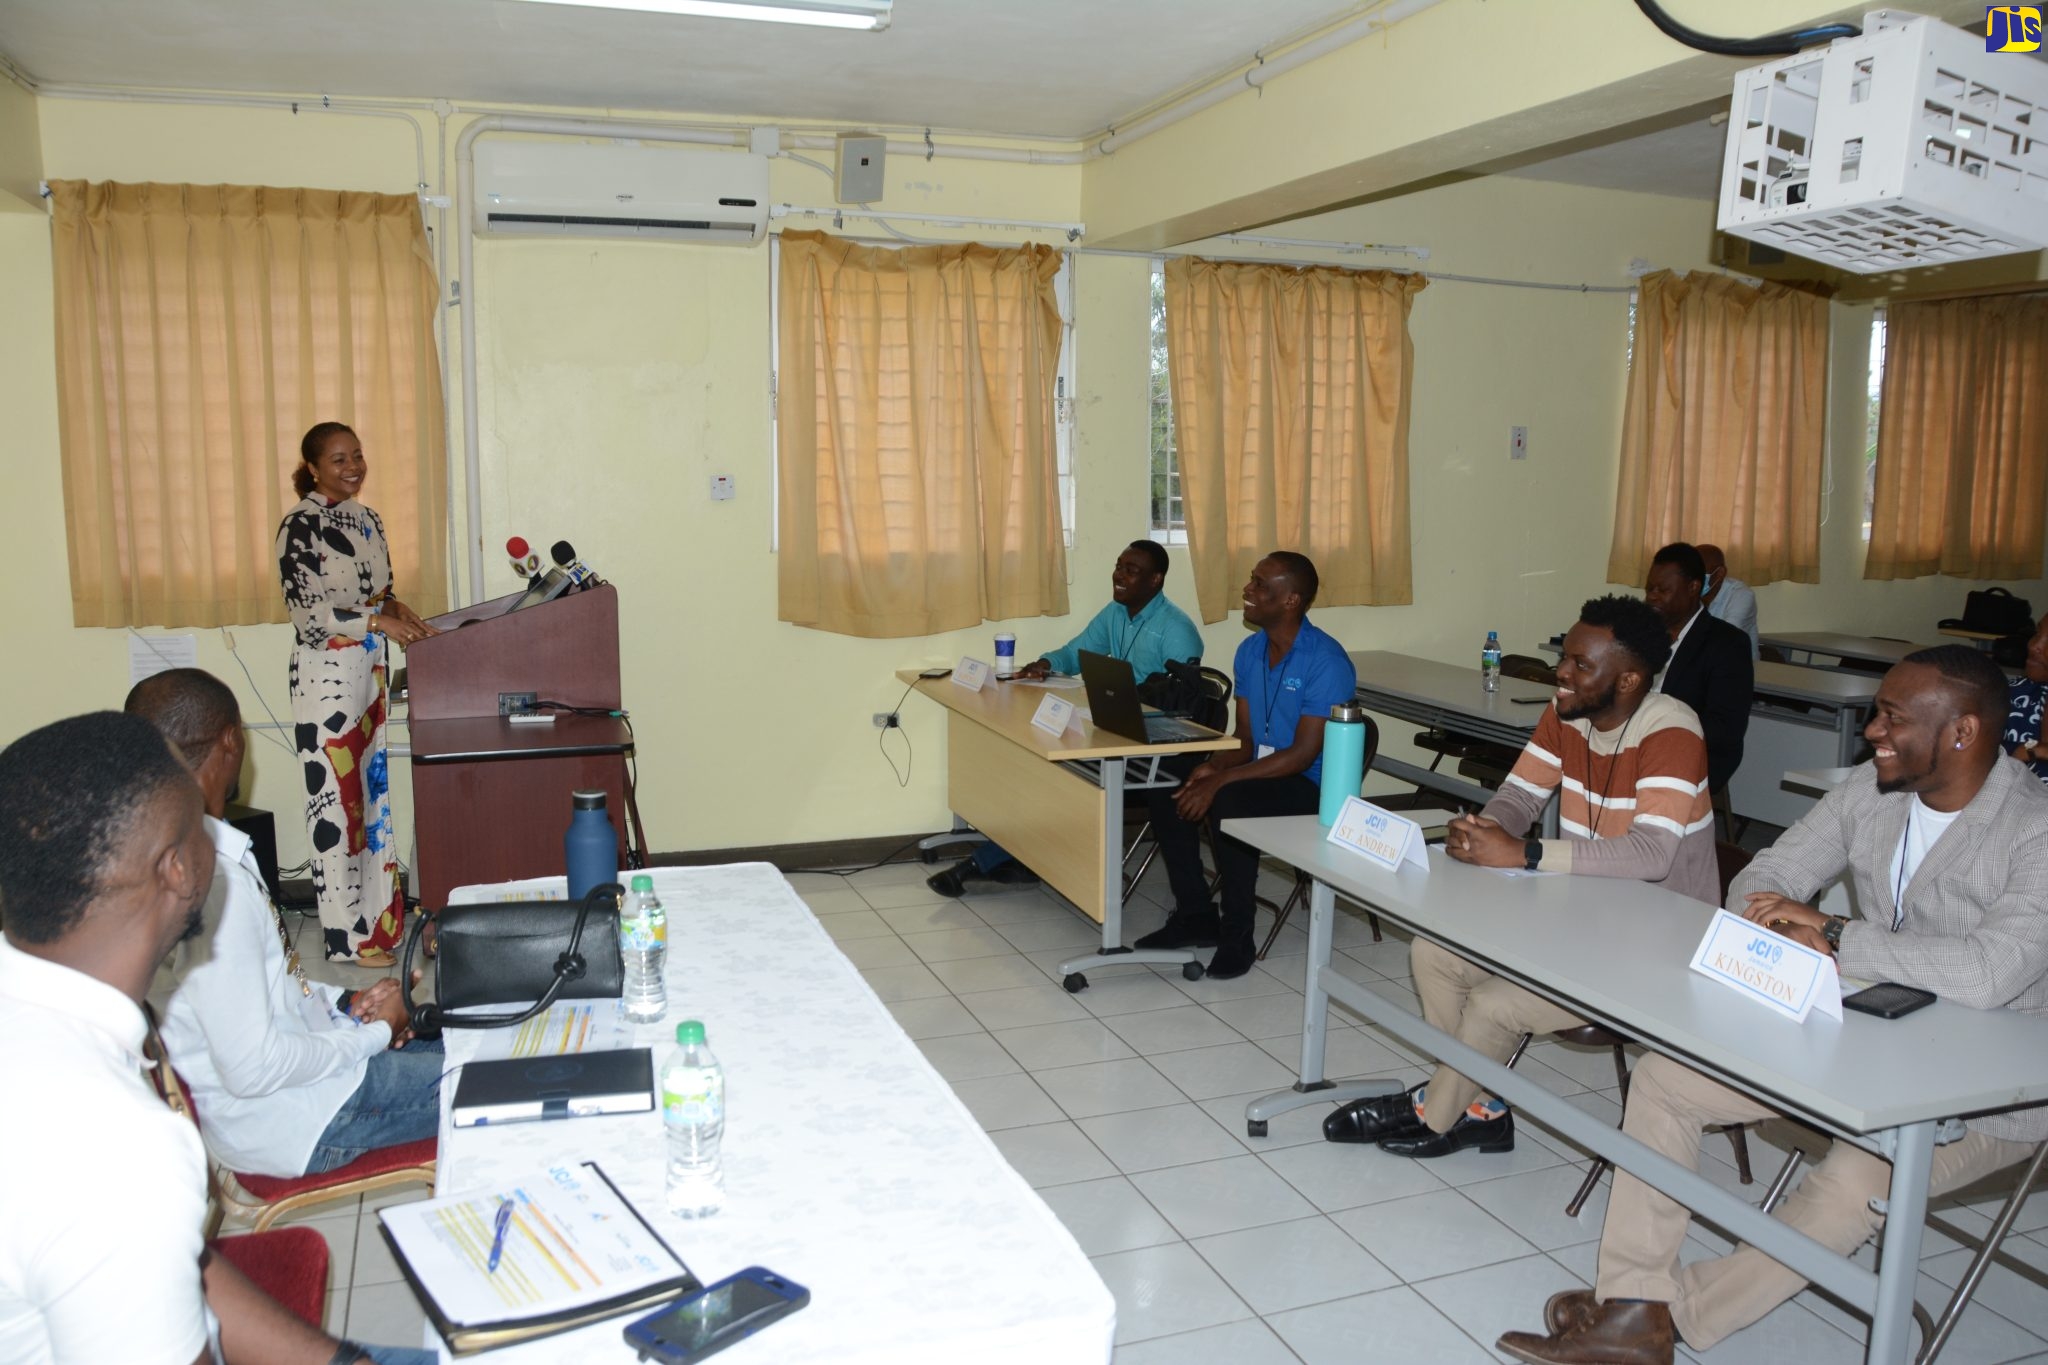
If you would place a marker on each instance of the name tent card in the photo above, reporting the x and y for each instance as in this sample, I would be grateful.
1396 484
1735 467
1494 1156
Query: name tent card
1769 968
1386 838
1054 715
971 674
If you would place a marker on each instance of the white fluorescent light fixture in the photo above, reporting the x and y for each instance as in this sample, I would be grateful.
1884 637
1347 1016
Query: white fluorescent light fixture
869 15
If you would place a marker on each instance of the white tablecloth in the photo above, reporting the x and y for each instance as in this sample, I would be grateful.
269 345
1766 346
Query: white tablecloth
850 1166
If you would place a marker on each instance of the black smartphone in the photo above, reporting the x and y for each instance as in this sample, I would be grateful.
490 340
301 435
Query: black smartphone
707 1322
1888 1000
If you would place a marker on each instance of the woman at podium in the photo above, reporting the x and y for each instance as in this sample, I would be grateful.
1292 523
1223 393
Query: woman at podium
335 565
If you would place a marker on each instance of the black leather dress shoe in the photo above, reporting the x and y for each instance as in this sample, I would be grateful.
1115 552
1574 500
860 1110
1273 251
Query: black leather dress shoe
952 882
1182 931
1488 1135
1373 1118
1231 961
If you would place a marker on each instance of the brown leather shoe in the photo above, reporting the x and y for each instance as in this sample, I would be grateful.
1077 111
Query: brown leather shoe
1569 1309
1615 1334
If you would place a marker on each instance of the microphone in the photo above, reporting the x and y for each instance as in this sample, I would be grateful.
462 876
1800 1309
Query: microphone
565 558
525 563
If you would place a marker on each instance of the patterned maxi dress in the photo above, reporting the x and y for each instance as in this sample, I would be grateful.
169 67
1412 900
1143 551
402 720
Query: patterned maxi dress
336 567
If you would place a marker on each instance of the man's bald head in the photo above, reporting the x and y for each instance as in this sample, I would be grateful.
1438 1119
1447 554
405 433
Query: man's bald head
189 705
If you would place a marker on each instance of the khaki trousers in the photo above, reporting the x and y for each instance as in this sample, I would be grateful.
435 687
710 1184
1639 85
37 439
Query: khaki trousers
1480 1010
1669 1105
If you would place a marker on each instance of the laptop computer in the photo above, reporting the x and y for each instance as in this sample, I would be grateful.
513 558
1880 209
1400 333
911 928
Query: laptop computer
1113 702
525 1089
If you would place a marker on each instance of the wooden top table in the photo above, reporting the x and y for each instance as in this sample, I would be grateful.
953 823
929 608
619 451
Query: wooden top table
1006 709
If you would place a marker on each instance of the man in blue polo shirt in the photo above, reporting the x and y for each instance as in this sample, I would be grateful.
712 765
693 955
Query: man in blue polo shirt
1287 677
1138 624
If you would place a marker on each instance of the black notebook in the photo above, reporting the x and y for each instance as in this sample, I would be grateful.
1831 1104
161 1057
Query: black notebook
575 1085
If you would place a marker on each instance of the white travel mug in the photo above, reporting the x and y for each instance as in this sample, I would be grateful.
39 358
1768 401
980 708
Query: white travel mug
1006 654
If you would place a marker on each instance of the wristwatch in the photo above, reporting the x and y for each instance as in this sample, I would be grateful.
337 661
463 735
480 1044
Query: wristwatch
1831 930
1532 854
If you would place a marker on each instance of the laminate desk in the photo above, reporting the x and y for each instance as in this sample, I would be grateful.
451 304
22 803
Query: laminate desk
849 1164
1618 953
1827 732
1452 698
1830 644
1055 802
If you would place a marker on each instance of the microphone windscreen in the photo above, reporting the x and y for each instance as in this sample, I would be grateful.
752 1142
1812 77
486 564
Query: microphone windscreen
564 553
517 547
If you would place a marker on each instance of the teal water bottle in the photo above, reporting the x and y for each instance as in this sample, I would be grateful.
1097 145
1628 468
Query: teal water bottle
1343 759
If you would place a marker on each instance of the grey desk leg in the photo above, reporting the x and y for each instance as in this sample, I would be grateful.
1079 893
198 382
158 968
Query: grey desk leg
1891 1319
1315 1019
1114 954
1848 730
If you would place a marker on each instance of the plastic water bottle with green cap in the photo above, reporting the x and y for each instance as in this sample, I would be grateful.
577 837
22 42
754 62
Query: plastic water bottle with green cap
693 1114
643 951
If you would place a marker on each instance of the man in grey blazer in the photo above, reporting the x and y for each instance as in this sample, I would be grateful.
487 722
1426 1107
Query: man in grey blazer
1947 840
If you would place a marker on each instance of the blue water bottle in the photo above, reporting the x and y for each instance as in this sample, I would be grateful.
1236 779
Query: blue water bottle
1343 759
590 849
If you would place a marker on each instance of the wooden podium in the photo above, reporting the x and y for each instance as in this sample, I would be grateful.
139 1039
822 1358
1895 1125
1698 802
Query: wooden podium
491 798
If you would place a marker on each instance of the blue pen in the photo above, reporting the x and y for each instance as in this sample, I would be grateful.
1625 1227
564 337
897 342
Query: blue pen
504 1221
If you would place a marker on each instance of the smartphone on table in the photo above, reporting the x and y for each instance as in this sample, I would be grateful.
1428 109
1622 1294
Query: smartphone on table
1888 1000
707 1322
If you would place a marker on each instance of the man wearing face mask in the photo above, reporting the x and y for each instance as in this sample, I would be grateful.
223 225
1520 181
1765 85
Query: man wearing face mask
1728 599
1947 840
1710 668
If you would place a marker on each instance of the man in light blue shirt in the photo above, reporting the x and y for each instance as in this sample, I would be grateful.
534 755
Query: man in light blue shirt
1139 625
1729 599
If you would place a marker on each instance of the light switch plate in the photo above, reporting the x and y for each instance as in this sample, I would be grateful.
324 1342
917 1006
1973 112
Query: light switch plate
1518 443
722 489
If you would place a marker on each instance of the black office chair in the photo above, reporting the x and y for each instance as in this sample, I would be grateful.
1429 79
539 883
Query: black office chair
1210 689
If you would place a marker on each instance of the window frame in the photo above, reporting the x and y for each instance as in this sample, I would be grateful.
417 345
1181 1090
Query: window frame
1159 392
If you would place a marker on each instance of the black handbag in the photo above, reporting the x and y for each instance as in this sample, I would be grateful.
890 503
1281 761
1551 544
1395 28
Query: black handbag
1995 611
542 951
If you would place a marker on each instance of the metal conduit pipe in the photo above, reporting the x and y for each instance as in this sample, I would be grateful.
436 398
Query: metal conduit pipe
1263 71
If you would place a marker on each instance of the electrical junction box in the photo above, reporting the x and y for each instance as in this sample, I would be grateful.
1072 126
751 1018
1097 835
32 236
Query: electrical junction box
1915 144
857 171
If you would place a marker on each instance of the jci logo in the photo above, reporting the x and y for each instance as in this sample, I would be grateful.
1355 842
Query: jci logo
2012 28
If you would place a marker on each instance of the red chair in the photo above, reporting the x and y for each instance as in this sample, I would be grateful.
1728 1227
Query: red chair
289 1264
264 1199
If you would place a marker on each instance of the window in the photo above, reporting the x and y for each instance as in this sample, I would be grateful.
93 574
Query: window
1064 405
1870 411
1169 521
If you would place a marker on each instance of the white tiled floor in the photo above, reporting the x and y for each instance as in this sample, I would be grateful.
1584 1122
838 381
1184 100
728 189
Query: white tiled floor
1124 1106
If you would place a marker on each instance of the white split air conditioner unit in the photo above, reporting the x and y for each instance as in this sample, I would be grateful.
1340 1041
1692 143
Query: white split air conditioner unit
659 191
1908 146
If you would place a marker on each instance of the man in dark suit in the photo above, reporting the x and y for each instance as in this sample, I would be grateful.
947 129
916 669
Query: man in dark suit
1710 668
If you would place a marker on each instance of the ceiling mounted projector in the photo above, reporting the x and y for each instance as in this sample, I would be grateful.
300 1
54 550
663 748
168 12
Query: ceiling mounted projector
1914 144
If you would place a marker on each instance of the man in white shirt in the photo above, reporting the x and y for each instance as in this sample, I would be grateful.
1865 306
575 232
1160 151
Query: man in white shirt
1728 599
104 863
289 1076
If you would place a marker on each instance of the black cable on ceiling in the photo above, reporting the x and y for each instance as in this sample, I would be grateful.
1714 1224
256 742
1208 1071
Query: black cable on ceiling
1773 45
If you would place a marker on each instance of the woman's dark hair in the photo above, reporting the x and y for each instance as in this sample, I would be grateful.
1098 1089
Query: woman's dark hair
309 451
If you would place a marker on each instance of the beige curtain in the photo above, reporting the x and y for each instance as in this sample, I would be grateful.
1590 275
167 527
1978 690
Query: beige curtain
1290 414
918 479
201 329
1962 440
1722 438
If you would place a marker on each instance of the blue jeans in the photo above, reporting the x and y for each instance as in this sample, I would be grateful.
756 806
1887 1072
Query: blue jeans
401 1355
398 1101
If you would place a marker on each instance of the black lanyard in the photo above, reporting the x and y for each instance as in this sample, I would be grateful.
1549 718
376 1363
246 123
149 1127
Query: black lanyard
1281 669
1593 830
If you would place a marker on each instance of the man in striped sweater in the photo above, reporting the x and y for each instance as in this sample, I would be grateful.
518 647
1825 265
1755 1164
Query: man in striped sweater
1633 772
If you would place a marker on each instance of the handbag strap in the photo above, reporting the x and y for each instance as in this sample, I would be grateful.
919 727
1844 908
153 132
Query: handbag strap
429 1020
